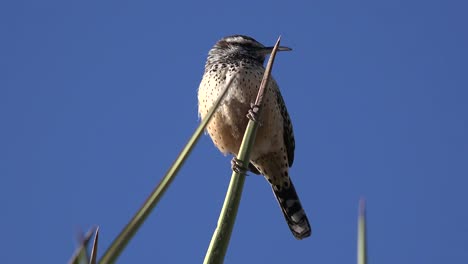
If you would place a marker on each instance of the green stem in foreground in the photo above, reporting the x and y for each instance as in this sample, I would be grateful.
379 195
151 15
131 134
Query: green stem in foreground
220 240
362 243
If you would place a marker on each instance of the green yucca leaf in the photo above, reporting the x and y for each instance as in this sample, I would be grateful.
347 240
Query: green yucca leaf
361 242
80 256
92 259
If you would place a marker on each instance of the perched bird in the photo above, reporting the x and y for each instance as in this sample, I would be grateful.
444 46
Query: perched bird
241 57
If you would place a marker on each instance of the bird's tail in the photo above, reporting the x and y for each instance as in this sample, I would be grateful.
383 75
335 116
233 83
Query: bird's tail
292 210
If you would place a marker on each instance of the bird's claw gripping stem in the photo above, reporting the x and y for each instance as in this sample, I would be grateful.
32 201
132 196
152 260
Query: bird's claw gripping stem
253 112
237 166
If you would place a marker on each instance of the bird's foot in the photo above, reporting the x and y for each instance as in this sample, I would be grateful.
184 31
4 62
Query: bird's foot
237 166
253 112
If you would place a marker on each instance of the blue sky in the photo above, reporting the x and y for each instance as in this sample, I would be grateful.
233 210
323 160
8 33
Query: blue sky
98 97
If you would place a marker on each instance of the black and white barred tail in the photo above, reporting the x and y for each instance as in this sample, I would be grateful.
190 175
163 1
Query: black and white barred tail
292 211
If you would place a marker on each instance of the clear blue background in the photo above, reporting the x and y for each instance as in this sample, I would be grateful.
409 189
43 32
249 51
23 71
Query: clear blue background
98 97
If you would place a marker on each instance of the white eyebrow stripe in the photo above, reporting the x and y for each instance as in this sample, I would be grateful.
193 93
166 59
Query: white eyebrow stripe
242 40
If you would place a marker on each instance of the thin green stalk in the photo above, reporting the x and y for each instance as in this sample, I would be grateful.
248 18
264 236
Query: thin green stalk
362 243
220 240
121 241
81 253
93 257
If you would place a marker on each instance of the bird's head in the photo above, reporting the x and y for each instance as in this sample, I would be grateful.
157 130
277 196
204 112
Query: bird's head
239 47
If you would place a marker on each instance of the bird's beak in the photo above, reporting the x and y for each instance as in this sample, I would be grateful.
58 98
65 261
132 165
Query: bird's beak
282 48
268 50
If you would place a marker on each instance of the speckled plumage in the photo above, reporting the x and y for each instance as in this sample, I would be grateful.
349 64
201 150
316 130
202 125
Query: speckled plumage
242 58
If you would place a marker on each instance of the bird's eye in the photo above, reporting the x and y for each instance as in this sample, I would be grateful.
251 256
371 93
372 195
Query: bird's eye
246 44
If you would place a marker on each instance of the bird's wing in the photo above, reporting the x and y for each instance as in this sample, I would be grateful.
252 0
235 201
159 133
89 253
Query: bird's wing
288 134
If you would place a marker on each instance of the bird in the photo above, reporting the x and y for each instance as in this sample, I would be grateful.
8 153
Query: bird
241 57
